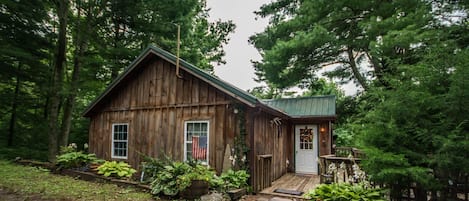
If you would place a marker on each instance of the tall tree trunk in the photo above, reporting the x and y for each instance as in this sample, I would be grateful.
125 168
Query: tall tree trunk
72 93
379 69
356 72
57 82
14 106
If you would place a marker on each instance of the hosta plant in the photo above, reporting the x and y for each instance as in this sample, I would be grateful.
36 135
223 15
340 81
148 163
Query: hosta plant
177 176
116 169
171 179
345 192
234 179
76 160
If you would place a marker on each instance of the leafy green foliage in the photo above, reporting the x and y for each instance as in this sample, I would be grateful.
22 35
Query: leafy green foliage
264 92
31 182
413 133
24 68
11 153
76 159
304 36
234 179
151 167
166 180
171 177
240 148
177 176
116 169
345 192
321 86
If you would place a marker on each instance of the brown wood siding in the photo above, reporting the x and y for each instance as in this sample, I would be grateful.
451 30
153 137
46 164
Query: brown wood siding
324 139
155 104
268 141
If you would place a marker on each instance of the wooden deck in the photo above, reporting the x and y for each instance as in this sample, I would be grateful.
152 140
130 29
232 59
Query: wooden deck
292 181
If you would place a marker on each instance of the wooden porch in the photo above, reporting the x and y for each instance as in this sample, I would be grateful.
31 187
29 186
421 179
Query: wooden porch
292 182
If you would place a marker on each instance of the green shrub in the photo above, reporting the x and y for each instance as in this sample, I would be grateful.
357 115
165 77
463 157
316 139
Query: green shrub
76 160
11 153
177 176
170 180
345 192
116 169
234 179
152 166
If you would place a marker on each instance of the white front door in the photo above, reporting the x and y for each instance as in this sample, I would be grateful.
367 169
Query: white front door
306 149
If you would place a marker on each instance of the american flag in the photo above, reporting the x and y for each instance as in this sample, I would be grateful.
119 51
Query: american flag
199 147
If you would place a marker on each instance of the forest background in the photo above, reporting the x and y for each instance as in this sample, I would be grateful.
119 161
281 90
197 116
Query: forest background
410 57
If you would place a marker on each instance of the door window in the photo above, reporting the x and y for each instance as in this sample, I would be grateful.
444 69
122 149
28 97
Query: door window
306 138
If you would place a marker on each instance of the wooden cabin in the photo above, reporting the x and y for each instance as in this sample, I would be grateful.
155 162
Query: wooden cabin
153 110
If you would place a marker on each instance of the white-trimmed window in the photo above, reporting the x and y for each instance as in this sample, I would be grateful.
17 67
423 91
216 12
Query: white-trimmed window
196 141
120 136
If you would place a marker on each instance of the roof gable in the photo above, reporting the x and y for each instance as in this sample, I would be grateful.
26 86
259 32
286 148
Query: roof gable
234 91
225 87
305 106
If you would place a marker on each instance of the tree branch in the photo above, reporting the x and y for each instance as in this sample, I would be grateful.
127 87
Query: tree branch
356 73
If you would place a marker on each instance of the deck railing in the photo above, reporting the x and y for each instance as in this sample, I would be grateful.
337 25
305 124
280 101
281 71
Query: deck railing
264 172
342 166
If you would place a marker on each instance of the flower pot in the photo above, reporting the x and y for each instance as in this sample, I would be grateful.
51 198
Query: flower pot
195 190
236 194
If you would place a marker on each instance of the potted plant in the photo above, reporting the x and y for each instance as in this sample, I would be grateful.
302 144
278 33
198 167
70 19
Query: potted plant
197 182
234 183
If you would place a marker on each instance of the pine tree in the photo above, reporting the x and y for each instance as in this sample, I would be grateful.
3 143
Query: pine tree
362 38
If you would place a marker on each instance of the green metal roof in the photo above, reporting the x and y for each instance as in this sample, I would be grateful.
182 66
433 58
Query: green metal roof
305 106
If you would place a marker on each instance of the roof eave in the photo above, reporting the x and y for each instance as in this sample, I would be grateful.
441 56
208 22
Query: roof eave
316 117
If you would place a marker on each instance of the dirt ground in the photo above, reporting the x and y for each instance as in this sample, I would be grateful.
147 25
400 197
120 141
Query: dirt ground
5 195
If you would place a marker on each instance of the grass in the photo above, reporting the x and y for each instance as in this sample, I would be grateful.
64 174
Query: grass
28 181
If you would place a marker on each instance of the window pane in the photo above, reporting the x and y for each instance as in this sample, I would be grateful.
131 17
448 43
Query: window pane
189 127
196 127
189 136
197 141
204 127
120 138
189 150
